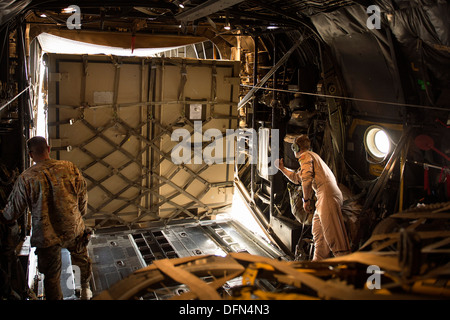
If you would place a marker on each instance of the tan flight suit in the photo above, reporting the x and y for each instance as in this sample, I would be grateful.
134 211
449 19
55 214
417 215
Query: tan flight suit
56 194
328 227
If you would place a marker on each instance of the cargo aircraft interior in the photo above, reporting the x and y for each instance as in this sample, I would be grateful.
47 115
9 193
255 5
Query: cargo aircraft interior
177 114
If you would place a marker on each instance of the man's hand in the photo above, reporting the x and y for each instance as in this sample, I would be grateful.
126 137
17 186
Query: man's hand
307 206
279 164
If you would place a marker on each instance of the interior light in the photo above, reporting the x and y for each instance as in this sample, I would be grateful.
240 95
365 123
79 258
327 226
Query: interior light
180 4
68 10
382 141
377 142
227 22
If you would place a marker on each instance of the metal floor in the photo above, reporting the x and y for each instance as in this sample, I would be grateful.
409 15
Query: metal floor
115 255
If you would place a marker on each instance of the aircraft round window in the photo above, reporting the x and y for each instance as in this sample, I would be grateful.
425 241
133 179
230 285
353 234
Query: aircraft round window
377 142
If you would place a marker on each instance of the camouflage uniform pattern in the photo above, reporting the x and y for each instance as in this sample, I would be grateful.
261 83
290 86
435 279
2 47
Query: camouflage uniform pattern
56 194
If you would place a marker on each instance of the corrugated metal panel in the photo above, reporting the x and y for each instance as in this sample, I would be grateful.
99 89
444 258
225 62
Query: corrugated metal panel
113 117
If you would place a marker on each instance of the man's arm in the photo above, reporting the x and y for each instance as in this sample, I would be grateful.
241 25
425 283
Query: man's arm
307 175
291 175
82 192
304 176
17 202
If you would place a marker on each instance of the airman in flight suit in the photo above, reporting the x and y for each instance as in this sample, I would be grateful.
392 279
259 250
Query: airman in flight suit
328 229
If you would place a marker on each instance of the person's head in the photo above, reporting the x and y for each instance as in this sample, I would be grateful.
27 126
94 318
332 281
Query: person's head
300 145
38 149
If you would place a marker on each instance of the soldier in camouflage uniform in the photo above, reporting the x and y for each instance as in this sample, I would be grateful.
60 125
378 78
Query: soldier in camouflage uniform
56 194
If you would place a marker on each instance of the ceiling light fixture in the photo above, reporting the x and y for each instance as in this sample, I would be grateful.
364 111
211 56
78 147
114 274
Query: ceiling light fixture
227 22
179 4
68 10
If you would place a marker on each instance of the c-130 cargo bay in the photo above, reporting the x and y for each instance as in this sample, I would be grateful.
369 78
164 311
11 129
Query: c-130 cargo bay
188 122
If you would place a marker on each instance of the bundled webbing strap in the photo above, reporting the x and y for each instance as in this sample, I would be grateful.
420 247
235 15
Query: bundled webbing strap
216 284
201 289
324 289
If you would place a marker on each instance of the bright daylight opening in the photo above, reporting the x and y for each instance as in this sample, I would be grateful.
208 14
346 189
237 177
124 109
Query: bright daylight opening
55 44
41 121
241 213
52 44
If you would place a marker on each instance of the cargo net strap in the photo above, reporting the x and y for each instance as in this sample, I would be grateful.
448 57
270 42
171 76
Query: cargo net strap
326 279
197 286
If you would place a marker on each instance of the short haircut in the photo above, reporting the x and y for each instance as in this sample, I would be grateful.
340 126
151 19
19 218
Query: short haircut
37 145
303 142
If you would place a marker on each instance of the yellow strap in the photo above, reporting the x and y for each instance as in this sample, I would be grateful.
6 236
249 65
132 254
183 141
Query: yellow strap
249 276
324 289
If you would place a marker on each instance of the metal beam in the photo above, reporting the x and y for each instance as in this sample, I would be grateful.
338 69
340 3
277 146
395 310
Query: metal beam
276 10
205 9
250 94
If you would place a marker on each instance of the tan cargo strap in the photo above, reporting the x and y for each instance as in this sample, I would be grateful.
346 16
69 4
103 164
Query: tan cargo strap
324 289
216 284
196 285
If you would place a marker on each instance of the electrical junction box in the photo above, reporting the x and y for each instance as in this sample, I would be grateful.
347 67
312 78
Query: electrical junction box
195 111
